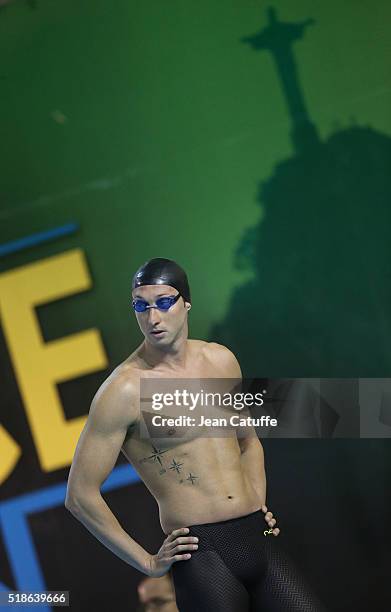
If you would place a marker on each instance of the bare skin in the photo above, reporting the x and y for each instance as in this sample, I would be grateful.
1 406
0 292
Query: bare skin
157 594
199 480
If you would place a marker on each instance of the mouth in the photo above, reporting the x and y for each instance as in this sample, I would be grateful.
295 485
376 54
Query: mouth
157 332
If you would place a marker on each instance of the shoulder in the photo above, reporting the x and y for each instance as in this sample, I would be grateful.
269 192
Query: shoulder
219 351
116 400
223 357
123 383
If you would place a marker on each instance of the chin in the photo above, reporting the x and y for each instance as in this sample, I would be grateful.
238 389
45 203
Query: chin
161 341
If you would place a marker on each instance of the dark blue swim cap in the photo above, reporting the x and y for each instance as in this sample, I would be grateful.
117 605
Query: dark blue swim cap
160 271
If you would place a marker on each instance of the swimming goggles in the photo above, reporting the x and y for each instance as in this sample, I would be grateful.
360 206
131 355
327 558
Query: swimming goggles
163 303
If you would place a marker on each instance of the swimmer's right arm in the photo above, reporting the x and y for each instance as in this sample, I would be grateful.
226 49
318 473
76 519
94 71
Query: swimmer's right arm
112 412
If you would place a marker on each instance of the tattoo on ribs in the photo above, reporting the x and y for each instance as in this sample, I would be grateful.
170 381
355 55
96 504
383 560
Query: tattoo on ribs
176 466
155 457
191 479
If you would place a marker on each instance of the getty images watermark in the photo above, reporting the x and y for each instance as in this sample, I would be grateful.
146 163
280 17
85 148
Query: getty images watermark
273 407
191 401
213 407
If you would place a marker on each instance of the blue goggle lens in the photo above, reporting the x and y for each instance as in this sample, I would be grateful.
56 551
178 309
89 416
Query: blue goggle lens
165 303
139 305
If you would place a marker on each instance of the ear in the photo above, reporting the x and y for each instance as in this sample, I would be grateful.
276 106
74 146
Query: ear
188 306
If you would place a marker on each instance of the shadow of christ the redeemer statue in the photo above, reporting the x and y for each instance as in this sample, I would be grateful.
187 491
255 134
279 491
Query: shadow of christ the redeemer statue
278 38
319 302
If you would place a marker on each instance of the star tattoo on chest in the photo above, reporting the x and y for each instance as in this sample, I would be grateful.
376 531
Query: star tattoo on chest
176 466
155 457
191 479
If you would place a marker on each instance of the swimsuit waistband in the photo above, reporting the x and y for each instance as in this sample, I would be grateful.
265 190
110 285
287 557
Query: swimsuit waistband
232 521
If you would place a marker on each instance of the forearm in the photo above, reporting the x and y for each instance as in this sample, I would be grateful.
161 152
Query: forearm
252 461
93 512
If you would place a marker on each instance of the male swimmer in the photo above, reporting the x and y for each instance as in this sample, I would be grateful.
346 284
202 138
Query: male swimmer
211 492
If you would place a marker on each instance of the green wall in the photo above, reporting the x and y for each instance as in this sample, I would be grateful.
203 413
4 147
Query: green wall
152 124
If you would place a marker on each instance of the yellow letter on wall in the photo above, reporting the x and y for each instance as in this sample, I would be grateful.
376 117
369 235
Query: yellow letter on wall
39 365
10 453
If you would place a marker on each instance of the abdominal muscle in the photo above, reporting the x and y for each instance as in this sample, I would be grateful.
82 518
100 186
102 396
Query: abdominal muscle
197 507
198 482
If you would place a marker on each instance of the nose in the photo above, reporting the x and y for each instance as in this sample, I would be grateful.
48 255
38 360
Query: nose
154 315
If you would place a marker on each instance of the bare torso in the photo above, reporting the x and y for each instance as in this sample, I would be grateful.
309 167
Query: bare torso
196 480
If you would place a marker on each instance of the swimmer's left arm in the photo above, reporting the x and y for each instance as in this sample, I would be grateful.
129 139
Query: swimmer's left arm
253 463
252 456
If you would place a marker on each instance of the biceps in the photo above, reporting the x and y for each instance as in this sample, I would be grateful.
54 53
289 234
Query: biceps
95 457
